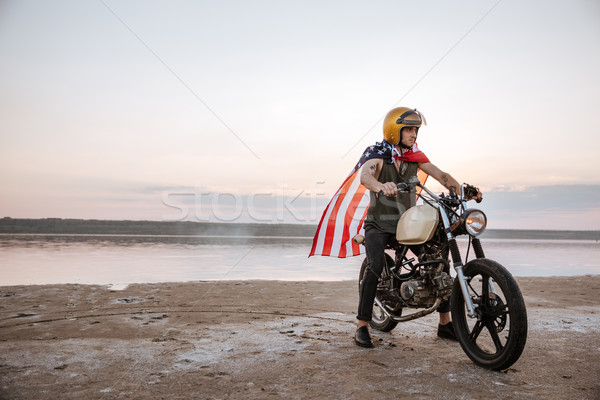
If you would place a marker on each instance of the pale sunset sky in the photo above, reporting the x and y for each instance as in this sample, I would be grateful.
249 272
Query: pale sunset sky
257 111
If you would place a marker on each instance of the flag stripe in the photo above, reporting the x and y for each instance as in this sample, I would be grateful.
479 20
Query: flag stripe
357 224
333 227
349 220
341 227
320 234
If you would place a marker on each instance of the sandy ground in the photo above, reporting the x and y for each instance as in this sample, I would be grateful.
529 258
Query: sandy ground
270 340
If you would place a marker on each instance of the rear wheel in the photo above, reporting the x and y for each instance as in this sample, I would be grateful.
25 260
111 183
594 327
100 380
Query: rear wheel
380 320
496 338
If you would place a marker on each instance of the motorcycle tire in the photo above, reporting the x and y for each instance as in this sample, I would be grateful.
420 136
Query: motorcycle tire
379 321
496 338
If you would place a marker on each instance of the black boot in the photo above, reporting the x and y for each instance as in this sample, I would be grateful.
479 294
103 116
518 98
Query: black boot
362 337
446 331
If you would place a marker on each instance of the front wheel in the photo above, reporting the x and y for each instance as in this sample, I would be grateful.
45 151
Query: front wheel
496 338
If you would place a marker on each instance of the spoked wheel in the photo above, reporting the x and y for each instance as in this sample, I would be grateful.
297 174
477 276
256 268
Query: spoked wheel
496 338
380 320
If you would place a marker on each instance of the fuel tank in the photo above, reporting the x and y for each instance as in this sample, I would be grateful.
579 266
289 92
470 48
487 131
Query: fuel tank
417 225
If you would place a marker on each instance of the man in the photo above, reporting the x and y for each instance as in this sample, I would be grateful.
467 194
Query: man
381 174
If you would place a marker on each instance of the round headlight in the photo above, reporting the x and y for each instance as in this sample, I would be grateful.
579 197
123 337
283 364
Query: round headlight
475 222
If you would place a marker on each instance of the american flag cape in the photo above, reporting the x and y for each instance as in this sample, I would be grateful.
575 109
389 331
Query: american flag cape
344 215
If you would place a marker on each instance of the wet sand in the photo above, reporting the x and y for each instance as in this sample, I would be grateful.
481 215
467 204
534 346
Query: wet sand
271 339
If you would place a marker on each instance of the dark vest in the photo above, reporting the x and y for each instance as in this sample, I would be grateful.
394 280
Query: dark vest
384 212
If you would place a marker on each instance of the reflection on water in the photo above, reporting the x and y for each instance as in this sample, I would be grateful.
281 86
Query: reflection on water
118 260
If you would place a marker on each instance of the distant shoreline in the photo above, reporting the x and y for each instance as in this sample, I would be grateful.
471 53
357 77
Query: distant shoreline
59 226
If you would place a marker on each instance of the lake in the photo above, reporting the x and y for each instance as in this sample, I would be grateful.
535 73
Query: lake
120 260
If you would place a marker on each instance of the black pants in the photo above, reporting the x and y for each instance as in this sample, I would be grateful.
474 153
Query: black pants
375 242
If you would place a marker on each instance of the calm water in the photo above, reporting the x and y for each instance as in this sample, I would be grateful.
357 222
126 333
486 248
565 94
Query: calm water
122 260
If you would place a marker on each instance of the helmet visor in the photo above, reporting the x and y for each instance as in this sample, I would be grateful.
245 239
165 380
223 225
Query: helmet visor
411 118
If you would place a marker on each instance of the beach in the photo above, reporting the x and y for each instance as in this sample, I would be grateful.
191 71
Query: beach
274 339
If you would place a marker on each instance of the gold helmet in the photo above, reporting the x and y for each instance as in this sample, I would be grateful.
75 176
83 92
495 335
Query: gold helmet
399 118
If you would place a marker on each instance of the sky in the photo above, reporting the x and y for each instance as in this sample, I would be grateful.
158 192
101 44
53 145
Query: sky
257 111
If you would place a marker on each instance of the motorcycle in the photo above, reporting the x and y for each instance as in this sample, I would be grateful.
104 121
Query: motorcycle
487 307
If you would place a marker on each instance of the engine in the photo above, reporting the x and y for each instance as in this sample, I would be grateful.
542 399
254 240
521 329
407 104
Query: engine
417 292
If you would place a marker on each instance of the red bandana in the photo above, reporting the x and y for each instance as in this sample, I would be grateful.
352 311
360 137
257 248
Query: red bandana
413 155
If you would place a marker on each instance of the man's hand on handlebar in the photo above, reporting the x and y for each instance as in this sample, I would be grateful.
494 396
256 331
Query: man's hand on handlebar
389 189
472 193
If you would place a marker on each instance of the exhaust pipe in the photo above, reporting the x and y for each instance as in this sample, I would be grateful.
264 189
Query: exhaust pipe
409 317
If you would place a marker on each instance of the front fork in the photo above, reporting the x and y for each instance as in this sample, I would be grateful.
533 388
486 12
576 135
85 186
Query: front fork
462 279
479 254
458 264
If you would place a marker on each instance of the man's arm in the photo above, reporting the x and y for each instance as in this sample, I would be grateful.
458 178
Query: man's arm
442 177
368 177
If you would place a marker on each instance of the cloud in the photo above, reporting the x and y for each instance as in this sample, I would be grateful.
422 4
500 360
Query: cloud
538 198
568 207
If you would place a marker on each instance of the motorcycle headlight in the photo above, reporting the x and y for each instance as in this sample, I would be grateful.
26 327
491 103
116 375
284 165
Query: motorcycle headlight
474 222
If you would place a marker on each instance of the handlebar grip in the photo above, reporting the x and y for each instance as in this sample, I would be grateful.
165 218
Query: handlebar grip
401 188
404 187
470 192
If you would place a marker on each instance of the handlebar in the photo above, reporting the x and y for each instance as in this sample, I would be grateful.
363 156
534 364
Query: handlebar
469 191
402 188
